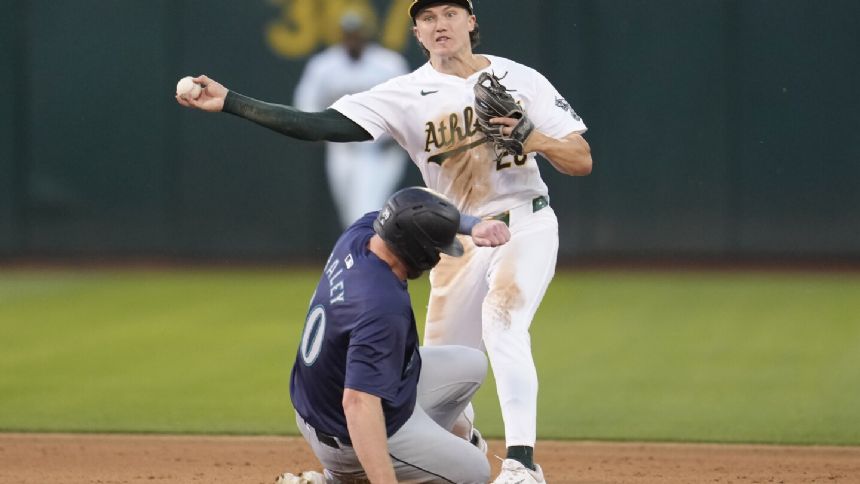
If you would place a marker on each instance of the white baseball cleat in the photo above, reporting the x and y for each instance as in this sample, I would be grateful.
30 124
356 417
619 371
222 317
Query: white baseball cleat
307 477
513 472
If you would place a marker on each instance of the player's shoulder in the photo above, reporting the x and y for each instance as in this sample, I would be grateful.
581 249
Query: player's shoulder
378 289
326 57
504 64
330 52
386 60
425 74
397 83
386 294
517 73
384 53
360 229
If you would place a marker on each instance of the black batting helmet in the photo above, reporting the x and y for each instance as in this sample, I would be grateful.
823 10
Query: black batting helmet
418 224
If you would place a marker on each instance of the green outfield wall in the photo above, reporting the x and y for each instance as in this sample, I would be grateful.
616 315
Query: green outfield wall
719 128
8 132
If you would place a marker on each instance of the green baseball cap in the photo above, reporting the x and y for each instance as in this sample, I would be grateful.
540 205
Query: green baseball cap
417 5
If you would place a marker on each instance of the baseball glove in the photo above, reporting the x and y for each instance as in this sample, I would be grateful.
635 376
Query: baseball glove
493 101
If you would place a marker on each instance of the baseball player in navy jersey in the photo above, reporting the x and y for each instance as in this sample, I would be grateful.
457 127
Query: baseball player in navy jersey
487 298
371 404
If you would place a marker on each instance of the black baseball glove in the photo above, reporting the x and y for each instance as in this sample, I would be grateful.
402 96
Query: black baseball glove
493 101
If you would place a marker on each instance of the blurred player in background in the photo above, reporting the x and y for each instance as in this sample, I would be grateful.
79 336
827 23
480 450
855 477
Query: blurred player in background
361 175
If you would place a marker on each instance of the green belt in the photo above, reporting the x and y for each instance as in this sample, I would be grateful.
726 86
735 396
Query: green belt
537 204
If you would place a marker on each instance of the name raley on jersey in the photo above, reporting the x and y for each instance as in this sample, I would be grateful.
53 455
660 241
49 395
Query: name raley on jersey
333 272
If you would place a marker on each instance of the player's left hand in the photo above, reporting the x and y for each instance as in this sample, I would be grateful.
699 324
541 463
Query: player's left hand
508 125
490 233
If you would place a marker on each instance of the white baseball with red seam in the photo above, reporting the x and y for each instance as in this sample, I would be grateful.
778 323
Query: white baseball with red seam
188 89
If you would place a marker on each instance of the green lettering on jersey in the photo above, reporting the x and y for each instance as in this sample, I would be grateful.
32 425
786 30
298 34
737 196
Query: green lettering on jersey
471 121
431 137
455 133
442 129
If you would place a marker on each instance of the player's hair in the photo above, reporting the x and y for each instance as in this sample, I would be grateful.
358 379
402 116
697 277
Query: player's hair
474 39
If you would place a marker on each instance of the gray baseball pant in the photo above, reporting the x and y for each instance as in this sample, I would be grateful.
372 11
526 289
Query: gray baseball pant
423 450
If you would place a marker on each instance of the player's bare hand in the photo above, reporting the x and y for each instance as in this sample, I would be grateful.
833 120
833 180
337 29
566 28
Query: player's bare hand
490 233
212 96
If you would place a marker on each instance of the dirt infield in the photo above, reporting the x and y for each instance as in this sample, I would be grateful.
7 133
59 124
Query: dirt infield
103 459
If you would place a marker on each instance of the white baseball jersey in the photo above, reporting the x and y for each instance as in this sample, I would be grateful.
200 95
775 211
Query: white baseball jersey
431 115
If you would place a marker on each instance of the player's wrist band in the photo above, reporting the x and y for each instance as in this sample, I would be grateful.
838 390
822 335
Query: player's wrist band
467 223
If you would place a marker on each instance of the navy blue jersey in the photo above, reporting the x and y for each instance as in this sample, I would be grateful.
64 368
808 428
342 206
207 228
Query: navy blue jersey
360 334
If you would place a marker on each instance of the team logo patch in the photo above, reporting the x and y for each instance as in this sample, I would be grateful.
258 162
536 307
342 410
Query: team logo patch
563 104
384 215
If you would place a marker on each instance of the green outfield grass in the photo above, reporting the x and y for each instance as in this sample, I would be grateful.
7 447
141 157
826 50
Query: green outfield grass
724 357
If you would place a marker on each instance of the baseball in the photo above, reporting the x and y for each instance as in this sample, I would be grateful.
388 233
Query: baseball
187 88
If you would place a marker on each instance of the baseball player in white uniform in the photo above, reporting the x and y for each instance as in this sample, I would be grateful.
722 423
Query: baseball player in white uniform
361 176
486 298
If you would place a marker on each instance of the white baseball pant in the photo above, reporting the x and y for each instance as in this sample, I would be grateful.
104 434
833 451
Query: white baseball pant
489 296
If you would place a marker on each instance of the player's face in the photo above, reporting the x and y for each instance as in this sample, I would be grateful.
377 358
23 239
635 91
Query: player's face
354 43
444 29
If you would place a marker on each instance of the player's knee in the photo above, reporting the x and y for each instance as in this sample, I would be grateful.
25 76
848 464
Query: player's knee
508 341
476 470
479 472
473 362
460 363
